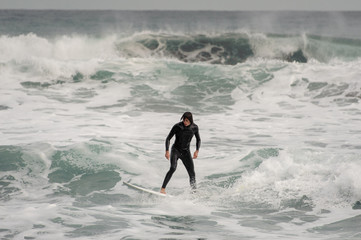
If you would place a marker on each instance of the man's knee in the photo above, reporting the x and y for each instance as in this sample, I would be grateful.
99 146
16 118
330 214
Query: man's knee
172 169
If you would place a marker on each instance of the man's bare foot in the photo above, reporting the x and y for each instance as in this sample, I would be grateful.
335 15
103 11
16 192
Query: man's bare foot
162 190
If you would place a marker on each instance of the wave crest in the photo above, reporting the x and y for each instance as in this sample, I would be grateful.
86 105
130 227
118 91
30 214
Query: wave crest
228 49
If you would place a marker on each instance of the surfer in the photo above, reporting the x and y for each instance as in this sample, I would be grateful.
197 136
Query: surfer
184 132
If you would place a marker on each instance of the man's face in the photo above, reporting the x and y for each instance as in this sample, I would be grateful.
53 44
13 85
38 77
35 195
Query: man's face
186 122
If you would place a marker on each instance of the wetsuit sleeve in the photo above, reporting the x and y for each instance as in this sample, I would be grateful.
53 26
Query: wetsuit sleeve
169 137
198 139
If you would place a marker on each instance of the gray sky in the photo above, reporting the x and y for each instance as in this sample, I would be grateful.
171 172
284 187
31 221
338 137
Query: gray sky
323 5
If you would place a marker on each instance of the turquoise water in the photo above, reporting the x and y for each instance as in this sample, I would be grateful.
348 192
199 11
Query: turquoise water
87 99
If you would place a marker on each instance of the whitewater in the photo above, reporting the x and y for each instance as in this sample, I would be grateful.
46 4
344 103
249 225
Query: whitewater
87 99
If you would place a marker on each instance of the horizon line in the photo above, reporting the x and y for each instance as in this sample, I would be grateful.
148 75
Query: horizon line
177 10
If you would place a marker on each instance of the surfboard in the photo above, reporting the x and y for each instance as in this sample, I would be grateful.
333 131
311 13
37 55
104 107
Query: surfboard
146 190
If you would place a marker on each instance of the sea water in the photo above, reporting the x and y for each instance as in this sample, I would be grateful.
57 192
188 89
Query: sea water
87 99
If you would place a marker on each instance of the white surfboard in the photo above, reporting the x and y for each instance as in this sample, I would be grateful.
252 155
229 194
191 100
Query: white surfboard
146 190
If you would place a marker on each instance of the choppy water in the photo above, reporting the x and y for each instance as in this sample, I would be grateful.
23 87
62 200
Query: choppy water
87 99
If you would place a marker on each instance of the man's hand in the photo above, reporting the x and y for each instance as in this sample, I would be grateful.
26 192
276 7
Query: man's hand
195 155
167 155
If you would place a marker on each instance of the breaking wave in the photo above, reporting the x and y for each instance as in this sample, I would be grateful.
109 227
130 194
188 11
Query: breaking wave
227 48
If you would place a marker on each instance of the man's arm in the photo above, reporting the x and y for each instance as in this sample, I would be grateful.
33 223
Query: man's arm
167 141
198 143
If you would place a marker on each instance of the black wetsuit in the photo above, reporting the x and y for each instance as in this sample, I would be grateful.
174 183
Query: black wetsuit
180 149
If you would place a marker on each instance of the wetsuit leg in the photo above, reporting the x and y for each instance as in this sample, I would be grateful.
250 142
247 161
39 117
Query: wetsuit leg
174 155
187 160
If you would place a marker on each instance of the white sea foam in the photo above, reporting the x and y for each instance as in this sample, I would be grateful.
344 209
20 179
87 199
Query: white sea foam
78 116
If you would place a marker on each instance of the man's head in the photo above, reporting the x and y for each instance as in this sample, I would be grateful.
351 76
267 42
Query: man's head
187 119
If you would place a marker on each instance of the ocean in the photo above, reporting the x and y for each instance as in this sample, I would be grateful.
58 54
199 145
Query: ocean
87 99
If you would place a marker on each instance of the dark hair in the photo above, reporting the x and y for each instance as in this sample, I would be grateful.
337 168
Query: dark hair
187 115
